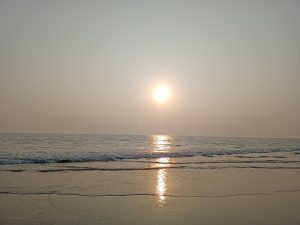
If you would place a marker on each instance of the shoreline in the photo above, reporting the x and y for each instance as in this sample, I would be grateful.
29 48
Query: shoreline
144 191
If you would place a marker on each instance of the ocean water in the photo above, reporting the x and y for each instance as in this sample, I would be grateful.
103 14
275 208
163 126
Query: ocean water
64 148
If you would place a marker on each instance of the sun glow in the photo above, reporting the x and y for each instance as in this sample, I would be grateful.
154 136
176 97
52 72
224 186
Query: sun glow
161 93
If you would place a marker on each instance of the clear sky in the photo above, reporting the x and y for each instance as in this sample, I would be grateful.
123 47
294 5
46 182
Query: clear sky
89 67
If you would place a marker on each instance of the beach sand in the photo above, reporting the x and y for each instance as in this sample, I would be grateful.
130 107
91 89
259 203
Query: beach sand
198 190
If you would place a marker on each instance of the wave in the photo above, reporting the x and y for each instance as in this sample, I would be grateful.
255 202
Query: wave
148 194
102 157
120 169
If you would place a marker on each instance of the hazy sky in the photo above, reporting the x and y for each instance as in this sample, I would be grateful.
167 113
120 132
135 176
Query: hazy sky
89 67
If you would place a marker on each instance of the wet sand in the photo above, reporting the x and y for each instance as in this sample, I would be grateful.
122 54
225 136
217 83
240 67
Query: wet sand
262 189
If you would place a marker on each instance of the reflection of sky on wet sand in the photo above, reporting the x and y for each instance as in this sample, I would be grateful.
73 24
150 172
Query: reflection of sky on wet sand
161 143
161 186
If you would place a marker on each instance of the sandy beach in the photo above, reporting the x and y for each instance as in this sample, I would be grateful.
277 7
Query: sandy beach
202 190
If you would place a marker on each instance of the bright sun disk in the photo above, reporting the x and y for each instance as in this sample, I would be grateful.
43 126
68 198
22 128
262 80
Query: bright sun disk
161 93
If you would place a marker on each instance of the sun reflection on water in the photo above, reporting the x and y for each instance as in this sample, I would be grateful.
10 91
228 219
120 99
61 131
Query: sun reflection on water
161 144
161 186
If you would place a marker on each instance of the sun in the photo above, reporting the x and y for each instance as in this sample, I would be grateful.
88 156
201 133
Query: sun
161 93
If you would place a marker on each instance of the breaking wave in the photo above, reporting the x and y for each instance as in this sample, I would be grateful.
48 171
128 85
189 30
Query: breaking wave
104 157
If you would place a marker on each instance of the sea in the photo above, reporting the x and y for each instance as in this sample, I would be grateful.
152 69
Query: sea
25 148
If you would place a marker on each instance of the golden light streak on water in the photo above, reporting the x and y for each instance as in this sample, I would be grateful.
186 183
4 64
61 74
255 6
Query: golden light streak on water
161 144
161 186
